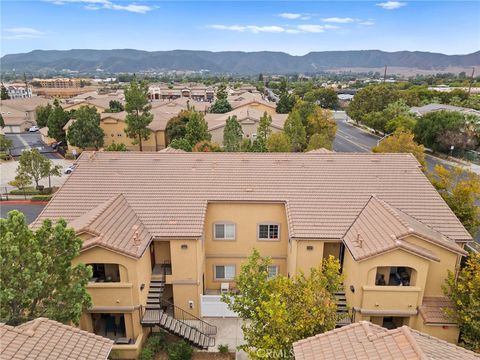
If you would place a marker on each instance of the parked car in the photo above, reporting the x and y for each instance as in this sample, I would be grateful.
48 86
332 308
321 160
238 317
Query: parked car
34 129
55 145
69 169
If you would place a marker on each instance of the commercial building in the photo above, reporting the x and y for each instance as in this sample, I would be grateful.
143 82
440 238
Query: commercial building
167 232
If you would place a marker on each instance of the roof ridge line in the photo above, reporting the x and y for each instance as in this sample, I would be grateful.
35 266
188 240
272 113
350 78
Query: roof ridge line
408 334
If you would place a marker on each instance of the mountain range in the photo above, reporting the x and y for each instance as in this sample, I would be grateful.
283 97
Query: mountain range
232 62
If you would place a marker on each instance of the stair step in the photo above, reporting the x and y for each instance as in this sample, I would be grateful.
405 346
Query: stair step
183 330
192 335
163 319
168 322
155 290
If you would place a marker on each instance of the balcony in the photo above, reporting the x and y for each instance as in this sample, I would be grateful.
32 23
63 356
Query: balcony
110 294
390 298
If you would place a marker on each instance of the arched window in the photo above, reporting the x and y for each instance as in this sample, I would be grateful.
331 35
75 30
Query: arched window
395 276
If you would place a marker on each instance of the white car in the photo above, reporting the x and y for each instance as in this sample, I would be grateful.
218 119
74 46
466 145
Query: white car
34 129
69 169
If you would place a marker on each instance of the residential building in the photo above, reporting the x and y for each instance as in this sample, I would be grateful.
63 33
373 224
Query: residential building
256 101
247 117
20 114
177 91
364 340
167 232
18 91
50 340
59 83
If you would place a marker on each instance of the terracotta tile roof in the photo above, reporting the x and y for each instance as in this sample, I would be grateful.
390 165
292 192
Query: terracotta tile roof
364 340
169 149
237 104
50 340
169 191
25 104
380 227
218 120
114 225
432 310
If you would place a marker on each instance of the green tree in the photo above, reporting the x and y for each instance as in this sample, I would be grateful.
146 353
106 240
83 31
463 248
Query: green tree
434 124
85 131
196 129
221 106
319 141
281 310
57 119
295 131
43 113
138 108
279 142
4 93
404 121
285 103
232 135
221 93
263 132
5 144
327 98
461 191
206 146
116 147
2 121
373 98
181 144
401 141
34 165
463 289
321 121
176 126
21 181
115 106
37 277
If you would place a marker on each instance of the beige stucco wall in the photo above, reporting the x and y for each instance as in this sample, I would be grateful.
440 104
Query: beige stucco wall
248 127
246 217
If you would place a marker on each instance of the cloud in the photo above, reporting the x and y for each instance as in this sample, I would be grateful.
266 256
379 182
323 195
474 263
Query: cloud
19 33
250 28
368 22
295 16
304 28
339 20
391 5
106 4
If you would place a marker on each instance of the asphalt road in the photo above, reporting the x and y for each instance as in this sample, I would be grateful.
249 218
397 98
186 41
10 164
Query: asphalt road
349 138
27 141
31 211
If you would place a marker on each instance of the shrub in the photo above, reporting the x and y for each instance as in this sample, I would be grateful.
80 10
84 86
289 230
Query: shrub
146 354
31 191
41 197
5 156
179 350
156 342
69 156
223 349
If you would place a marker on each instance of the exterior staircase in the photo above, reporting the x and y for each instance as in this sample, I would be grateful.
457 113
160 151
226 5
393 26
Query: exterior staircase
162 313
344 316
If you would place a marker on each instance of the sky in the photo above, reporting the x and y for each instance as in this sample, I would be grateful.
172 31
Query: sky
295 27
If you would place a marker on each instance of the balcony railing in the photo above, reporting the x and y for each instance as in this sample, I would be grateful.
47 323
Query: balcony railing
399 298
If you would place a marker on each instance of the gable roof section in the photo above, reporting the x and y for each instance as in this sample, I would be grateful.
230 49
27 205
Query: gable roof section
380 227
50 340
216 121
323 193
115 226
364 340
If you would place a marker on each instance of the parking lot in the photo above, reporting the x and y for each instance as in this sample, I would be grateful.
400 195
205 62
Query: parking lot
26 140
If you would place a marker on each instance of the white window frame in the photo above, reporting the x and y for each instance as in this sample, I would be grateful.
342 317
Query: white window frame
277 271
224 272
225 238
269 225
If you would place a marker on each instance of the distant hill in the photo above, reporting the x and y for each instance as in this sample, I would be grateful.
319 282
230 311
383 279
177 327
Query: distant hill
235 62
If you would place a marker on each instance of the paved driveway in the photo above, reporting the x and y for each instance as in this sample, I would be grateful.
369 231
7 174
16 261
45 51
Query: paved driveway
31 211
25 141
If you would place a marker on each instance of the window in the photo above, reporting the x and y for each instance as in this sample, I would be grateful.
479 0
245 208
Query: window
224 272
272 271
224 232
268 231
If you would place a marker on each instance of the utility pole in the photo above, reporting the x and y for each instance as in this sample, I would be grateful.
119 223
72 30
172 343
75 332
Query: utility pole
471 81
385 74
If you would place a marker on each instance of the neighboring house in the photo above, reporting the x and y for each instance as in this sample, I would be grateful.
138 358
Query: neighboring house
59 83
255 101
422 110
166 232
18 91
178 91
248 118
101 104
50 340
20 114
365 340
